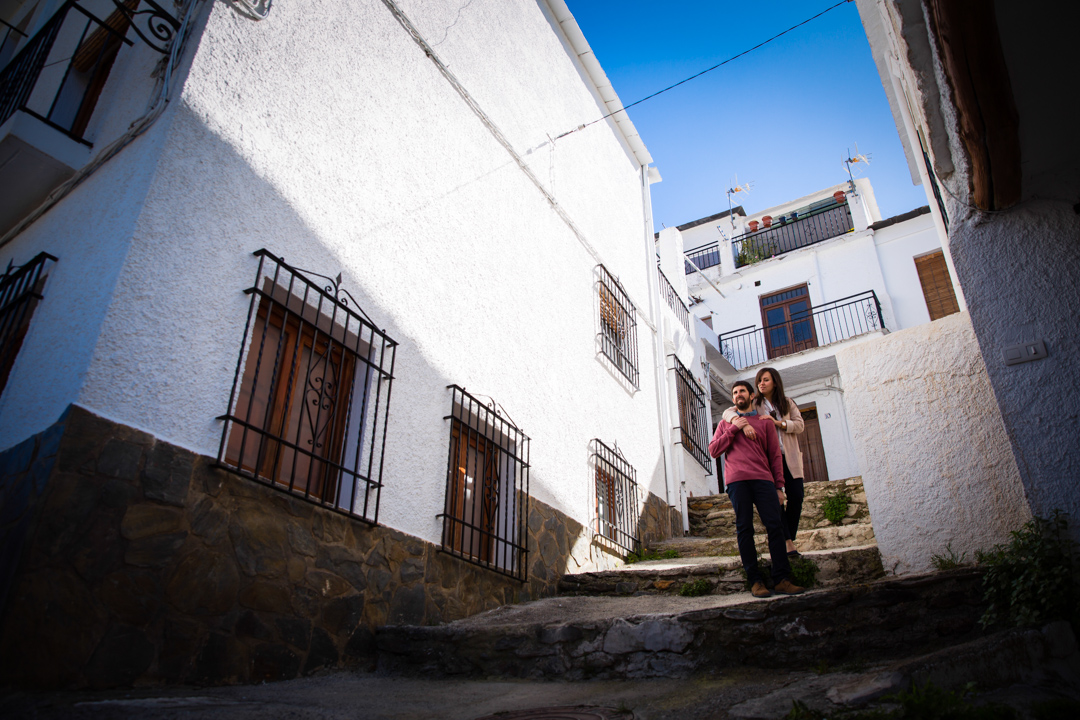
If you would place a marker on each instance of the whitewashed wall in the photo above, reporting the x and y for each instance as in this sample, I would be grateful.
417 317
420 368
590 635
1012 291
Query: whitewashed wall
330 139
897 247
828 396
937 465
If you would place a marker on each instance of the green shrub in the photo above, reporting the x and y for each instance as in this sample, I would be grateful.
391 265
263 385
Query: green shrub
646 554
804 571
835 506
949 560
694 588
1029 580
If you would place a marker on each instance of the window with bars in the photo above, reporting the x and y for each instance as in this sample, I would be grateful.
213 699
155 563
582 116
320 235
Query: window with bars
487 487
618 326
693 422
21 290
310 397
616 497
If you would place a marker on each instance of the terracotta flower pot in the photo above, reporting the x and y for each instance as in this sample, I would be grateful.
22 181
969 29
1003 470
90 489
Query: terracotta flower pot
753 225
840 197
767 221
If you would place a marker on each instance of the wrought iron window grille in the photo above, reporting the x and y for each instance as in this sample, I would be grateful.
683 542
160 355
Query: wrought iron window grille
667 290
21 289
617 338
693 424
308 410
487 487
616 502
58 74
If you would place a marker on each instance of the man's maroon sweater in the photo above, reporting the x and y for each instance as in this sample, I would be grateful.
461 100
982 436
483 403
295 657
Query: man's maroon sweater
757 459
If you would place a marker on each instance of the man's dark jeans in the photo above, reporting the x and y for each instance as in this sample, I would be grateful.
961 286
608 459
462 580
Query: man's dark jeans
745 495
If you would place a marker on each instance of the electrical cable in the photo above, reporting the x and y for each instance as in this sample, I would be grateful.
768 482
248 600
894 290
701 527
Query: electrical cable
708 70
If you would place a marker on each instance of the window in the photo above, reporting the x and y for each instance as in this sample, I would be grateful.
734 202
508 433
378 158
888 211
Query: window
787 321
20 292
693 424
936 285
618 326
487 487
616 497
311 392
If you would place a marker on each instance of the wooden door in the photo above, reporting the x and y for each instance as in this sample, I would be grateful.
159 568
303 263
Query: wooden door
787 322
813 451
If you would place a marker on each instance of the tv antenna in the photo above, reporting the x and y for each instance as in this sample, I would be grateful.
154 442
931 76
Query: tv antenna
736 188
854 159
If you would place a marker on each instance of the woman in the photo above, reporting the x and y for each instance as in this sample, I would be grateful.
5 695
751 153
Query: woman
770 400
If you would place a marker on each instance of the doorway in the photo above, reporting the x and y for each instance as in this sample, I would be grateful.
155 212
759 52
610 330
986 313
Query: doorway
813 451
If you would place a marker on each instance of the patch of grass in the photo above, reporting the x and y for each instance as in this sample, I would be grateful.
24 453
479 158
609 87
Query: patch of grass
835 506
949 560
646 554
1029 580
694 588
804 571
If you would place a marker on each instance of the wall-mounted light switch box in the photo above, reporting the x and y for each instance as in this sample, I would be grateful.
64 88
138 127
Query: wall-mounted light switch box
1024 352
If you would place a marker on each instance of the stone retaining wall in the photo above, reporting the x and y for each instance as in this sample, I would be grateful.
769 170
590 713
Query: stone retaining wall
130 561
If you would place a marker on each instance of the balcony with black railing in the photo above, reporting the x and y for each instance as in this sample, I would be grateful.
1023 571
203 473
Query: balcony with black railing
826 324
782 235
50 85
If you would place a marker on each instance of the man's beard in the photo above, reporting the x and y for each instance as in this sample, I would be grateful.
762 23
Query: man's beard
743 407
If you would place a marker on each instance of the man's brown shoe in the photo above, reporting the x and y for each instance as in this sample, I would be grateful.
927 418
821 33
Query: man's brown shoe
786 587
760 591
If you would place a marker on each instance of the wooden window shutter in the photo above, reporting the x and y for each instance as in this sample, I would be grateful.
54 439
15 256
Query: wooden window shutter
936 285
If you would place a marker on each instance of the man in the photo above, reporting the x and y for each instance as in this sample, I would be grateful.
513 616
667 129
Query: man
754 476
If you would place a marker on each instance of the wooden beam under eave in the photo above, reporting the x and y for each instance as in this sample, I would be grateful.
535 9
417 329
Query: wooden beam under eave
970 48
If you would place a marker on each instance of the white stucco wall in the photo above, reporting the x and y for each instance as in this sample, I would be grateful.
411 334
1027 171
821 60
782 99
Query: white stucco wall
366 161
828 395
937 465
897 247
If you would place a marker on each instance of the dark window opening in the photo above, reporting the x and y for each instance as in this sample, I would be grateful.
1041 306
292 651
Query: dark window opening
20 292
618 326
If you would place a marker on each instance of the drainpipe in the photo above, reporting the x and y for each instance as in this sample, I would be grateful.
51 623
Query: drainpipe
659 358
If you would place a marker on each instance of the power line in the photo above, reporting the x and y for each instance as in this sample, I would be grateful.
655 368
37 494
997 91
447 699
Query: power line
707 70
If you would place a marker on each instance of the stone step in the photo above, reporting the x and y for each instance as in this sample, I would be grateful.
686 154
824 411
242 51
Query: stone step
828 538
724 575
712 516
574 638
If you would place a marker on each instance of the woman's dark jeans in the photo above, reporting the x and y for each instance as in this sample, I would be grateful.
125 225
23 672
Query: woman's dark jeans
745 495
792 511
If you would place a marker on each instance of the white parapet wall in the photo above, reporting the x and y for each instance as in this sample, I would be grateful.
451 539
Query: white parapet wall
937 465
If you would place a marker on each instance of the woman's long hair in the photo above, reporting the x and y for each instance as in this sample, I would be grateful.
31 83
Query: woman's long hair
779 400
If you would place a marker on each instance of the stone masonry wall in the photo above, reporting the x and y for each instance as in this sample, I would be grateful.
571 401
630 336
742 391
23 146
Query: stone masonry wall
131 561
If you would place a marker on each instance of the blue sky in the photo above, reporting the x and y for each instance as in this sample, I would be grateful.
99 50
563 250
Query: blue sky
781 117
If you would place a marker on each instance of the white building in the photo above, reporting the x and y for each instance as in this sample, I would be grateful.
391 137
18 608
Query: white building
346 262
792 285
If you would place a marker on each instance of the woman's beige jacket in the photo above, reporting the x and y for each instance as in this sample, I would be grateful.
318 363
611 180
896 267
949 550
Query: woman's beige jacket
789 443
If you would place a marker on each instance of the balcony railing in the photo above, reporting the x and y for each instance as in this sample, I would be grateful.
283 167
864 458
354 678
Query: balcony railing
824 325
786 233
58 75
673 300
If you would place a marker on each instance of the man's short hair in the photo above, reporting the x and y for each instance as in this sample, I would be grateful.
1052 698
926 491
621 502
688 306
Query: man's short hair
743 383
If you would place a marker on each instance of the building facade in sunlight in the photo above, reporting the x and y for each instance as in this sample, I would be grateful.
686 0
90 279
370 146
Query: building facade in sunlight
318 320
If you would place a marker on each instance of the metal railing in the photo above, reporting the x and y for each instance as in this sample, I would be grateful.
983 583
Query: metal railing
667 290
616 497
786 233
487 487
693 425
58 75
824 325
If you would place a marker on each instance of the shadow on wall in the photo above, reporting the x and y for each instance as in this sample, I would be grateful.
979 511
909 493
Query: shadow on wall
141 561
